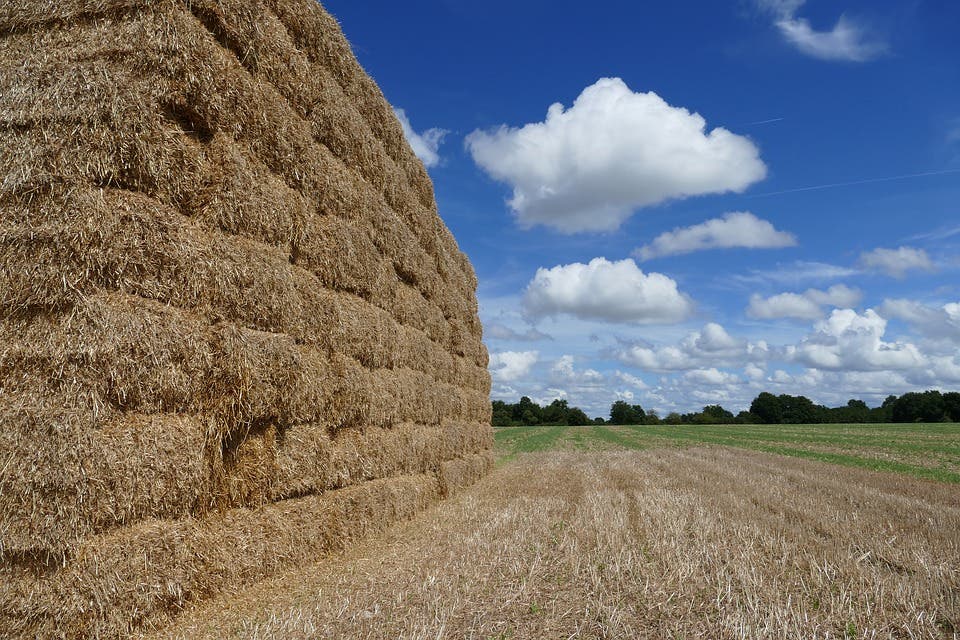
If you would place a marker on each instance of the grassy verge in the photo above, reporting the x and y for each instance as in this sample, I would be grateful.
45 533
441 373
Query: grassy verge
928 451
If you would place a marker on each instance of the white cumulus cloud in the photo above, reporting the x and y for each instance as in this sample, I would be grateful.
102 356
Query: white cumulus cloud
803 306
839 295
587 168
563 370
937 322
710 347
710 377
609 291
631 380
847 40
784 305
897 262
736 229
853 342
507 366
425 145
754 372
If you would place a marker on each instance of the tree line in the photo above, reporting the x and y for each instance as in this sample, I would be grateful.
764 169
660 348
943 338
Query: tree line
766 408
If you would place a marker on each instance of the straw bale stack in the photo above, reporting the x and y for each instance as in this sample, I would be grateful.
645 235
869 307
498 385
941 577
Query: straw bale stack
234 332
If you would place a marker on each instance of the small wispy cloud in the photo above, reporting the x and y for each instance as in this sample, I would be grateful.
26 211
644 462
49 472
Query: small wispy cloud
425 145
738 229
937 234
500 331
897 262
851 183
808 305
795 273
953 131
848 40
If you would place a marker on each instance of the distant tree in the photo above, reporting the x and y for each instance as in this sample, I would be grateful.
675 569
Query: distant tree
928 406
767 408
623 413
884 413
932 407
556 412
797 410
599 420
651 418
879 414
715 414
673 418
951 405
745 417
502 416
856 412
527 412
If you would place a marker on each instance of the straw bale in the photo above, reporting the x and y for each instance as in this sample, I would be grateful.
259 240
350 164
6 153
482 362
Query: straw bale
69 473
249 466
313 458
343 258
460 437
404 170
462 472
176 177
146 356
16 16
316 33
241 30
224 285
127 242
242 196
267 56
139 576
409 309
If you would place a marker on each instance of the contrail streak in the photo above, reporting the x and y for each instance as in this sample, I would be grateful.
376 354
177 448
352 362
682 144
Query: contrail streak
856 182
766 121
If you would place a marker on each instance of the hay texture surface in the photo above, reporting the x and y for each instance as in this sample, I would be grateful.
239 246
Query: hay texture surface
234 332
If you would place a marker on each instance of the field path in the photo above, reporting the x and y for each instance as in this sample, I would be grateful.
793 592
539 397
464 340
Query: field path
711 542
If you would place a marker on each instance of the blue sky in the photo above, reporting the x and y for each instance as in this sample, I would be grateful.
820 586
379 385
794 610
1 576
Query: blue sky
728 197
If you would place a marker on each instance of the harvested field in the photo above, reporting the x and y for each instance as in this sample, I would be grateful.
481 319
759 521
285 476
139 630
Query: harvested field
922 450
235 334
663 543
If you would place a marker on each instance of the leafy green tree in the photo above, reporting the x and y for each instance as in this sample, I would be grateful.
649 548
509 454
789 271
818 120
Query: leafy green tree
527 412
919 407
856 412
716 414
577 418
556 412
951 405
623 413
798 410
767 408
502 416
673 418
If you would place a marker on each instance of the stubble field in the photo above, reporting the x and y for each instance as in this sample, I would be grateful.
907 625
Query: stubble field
630 533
